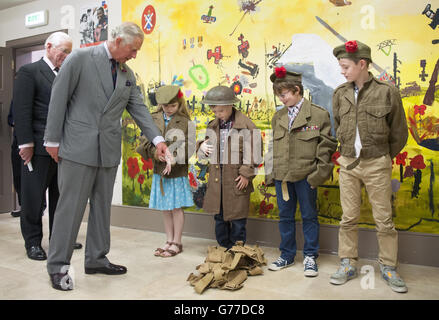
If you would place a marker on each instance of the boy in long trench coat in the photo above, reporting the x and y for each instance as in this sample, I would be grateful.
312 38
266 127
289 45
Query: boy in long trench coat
229 146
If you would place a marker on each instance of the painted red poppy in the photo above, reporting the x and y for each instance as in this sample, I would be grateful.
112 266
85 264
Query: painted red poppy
133 167
192 180
147 164
420 109
417 162
400 158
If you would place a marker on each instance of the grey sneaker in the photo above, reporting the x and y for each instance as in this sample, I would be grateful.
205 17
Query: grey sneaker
310 267
393 279
344 273
279 264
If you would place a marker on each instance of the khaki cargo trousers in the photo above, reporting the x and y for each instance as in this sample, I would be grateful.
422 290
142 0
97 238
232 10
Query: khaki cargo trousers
376 175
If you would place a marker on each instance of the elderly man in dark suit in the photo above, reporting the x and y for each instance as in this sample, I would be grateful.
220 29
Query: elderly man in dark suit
32 88
89 95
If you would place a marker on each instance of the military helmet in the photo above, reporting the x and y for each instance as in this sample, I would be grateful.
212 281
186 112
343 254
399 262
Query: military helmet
220 96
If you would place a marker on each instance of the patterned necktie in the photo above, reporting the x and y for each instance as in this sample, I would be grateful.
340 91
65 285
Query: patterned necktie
114 71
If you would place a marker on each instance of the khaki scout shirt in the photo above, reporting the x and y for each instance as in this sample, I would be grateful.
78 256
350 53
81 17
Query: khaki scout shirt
305 150
379 115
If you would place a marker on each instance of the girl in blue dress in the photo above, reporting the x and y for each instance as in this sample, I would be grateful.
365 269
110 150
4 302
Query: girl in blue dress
170 191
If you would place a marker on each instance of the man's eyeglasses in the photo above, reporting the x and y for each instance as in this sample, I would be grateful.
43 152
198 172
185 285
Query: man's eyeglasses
63 50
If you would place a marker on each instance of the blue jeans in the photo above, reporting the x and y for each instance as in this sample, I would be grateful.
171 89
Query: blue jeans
299 190
228 232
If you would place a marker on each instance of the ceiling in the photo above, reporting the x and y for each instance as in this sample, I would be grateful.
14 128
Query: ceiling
5 4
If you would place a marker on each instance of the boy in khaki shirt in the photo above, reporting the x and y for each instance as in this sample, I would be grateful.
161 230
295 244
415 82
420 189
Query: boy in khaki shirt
371 127
302 150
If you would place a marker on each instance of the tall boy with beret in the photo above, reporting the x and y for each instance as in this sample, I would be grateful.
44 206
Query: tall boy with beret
302 150
371 127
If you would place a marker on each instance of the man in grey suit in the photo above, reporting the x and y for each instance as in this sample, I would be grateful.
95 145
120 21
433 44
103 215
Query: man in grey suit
83 134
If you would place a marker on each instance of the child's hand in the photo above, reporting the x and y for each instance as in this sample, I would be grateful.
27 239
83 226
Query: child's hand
168 158
242 182
206 148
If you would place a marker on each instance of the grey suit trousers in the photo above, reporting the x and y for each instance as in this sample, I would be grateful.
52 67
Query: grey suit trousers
77 184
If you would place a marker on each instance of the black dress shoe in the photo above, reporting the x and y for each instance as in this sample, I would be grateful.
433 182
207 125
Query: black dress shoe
111 269
15 214
77 245
36 253
61 281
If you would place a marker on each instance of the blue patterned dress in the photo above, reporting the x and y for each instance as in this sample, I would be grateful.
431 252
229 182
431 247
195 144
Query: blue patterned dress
177 191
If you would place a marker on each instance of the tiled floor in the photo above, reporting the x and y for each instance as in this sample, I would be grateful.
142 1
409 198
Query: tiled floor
151 277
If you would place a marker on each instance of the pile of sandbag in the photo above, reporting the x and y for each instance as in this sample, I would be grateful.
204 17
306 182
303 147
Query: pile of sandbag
227 269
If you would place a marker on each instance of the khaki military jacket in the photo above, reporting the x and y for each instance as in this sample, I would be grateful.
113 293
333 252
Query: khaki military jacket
379 115
222 178
147 149
305 150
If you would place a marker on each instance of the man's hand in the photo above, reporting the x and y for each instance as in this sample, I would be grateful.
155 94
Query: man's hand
53 151
26 154
161 149
242 182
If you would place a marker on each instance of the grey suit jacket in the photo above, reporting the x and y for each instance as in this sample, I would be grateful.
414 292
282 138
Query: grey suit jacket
85 112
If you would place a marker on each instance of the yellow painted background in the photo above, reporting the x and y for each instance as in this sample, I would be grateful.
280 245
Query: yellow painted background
275 22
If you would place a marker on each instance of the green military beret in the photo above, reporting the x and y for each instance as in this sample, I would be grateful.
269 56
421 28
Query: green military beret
281 74
353 50
220 96
165 94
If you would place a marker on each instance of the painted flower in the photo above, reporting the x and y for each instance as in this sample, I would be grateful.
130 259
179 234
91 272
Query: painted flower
264 208
147 164
408 172
133 167
334 158
420 109
280 72
400 158
351 46
417 162
192 180
141 179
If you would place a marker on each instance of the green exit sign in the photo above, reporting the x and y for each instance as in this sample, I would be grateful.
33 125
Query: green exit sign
36 19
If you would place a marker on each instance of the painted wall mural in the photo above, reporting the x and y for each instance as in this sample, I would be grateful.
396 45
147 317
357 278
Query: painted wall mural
199 44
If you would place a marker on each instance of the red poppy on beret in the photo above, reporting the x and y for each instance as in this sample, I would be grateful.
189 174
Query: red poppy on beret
351 46
280 72
179 94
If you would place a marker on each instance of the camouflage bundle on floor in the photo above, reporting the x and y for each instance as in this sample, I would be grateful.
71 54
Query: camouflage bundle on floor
227 269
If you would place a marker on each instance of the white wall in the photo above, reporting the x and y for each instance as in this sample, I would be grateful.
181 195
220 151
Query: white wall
12 28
